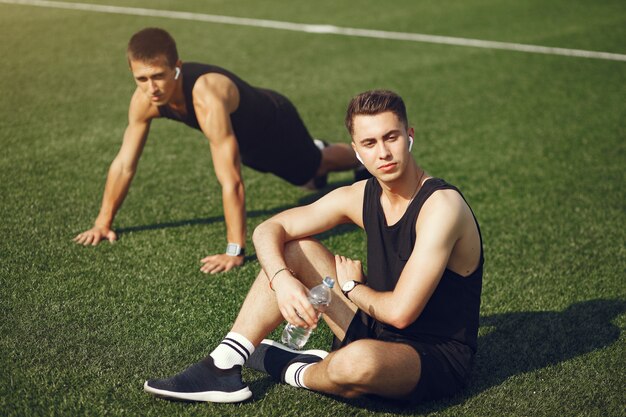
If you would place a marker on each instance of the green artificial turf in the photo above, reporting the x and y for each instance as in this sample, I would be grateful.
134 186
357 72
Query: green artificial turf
535 142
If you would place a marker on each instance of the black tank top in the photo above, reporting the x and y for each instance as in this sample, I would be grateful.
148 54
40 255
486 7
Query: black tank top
255 119
452 311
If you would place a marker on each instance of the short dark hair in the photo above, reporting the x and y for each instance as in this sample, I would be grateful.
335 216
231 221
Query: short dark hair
374 102
150 44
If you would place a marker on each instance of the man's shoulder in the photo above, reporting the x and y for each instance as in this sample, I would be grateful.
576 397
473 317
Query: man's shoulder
344 203
345 197
141 109
349 196
212 88
356 189
448 200
213 82
444 207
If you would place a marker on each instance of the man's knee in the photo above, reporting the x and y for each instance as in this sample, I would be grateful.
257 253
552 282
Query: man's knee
351 370
306 255
301 247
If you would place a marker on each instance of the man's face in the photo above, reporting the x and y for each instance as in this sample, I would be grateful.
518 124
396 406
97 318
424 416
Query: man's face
382 142
155 79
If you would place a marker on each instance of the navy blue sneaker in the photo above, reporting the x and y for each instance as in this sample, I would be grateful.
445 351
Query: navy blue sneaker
361 173
202 381
274 358
320 182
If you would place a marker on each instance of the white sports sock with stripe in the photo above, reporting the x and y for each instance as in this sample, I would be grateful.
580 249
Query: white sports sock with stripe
294 375
235 349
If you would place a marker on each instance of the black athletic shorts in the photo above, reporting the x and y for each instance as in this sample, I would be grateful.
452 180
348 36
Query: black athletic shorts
446 364
288 150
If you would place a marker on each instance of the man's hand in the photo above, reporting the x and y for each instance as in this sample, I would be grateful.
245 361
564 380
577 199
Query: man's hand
348 270
220 263
94 235
293 301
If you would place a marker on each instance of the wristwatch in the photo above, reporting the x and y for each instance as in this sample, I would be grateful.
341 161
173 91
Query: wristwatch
233 249
349 286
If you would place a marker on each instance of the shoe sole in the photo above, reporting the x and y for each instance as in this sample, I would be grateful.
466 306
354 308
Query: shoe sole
315 352
205 396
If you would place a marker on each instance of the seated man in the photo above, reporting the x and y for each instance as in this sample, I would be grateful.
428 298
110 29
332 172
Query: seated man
406 331
243 124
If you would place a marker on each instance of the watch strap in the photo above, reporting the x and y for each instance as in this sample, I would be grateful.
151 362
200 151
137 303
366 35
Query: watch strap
234 249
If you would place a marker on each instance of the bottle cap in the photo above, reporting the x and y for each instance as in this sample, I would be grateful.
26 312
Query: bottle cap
329 282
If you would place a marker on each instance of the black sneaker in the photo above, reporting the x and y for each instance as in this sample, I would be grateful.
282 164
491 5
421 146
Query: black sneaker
321 181
202 381
361 173
274 358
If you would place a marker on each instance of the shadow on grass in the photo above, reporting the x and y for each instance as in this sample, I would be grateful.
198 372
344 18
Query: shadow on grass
517 343
308 199
250 214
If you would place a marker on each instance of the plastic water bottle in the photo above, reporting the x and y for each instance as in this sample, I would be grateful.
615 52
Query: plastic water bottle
296 337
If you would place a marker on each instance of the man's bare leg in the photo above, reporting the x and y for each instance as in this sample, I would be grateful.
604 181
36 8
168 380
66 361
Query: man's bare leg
337 157
217 378
365 366
391 370
388 369
259 313
311 262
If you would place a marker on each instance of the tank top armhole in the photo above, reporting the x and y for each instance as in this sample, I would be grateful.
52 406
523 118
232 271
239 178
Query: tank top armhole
368 193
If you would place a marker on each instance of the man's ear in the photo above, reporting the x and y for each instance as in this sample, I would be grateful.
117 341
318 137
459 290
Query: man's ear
356 153
178 68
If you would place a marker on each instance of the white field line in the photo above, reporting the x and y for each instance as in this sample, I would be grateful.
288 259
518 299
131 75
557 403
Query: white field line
323 29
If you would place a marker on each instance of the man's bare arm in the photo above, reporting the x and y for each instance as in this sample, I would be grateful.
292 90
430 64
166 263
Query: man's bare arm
121 172
439 227
215 98
339 206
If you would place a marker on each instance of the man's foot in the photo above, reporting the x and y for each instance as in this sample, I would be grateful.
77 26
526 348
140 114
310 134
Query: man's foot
202 381
274 358
320 182
317 183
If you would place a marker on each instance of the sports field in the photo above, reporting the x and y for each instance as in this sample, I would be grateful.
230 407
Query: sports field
535 141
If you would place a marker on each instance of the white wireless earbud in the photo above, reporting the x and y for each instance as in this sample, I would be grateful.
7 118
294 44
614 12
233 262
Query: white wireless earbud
410 143
177 70
358 157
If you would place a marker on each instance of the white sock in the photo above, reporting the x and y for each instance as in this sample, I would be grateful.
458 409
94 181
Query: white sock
235 349
294 375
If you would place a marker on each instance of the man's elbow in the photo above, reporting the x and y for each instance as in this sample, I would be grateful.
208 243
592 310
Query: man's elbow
258 232
123 168
400 323
401 320
233 186
266 228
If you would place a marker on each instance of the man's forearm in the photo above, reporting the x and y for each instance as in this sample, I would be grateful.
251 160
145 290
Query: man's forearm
233 201
269 241
379 305
115 191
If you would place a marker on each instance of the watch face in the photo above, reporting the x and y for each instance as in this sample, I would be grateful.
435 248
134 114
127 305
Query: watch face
348 286
233 249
